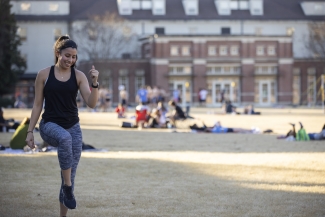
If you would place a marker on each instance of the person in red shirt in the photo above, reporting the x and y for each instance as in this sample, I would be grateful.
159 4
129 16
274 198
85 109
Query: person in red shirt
120 110
141 114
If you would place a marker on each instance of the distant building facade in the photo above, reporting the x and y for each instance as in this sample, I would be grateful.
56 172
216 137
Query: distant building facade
249 51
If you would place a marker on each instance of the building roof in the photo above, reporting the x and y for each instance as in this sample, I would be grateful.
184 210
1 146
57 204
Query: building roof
273 10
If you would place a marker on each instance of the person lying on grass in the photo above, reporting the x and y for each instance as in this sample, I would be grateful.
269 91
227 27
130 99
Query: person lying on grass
218 128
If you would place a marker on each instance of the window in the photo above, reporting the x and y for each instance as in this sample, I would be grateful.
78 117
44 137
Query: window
22 32
174 51
57 34
234 5
271 50
311 89
53 7
185 51
290 31
223 69
266 70
223 7
160 30
234 51
318 7
25 6
225 31
311 71
260 51
296 89
158 7
191 7
125 7
180 70
243 4
139 82
212 50
223 51
146 5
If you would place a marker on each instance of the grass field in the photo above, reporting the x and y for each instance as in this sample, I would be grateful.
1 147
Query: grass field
158 173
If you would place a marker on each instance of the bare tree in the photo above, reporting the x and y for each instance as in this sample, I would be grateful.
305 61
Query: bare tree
105 37
316 40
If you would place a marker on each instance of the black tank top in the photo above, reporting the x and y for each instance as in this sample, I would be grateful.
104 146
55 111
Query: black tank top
60 100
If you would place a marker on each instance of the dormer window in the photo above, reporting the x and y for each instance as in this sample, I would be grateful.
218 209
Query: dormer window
234 4
125 7
256 7
158 7
316 8
191 7
136 4
243 5
53 7
25 6
223 7
146 5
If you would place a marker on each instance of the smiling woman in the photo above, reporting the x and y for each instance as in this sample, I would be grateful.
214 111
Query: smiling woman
58 86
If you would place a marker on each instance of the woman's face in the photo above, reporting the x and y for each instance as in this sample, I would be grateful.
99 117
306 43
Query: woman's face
67 57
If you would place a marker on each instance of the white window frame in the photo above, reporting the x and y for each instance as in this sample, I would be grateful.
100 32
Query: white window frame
186 51
212 50
271 51
234 50
53 7
174 51
260 51
223 50
25 6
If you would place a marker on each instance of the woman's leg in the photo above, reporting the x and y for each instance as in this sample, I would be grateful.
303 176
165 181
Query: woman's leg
69 143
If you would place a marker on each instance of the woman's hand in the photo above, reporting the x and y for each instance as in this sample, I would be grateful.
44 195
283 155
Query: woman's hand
30 140
94 75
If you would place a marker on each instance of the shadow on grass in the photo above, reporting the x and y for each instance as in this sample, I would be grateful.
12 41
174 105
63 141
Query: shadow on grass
124 187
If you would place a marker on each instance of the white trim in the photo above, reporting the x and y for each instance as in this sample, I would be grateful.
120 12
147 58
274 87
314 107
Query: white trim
199 62
224 64
286 61
199 39
248 61
285 94
159 61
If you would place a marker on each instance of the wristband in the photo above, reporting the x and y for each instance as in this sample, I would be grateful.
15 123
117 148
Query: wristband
29 132
95 86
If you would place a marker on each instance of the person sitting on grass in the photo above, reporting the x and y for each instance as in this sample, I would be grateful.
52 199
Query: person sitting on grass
141 114
176 114
120 110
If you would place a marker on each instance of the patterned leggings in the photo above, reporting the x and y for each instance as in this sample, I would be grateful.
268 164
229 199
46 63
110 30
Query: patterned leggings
69 144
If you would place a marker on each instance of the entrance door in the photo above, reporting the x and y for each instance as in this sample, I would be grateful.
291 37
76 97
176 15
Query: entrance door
265 92
179 87
221 91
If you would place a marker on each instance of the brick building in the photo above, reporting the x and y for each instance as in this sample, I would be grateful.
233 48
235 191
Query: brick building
251 51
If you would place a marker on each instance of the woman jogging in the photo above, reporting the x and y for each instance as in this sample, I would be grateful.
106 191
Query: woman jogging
58 86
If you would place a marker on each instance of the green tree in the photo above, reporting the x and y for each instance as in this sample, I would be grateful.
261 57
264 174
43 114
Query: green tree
12 65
